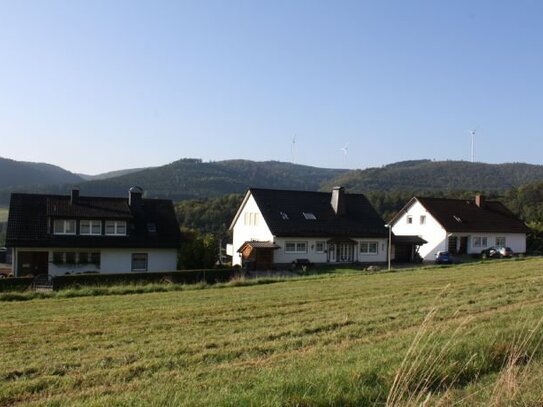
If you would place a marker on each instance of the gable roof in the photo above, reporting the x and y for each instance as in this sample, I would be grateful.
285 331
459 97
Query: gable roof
289 213
29 214
465 216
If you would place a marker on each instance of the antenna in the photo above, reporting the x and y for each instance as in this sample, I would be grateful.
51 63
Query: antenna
345 150
473 144
292 147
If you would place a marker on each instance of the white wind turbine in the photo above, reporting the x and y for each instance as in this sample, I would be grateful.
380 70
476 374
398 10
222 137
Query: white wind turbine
292 147
345 150
472 132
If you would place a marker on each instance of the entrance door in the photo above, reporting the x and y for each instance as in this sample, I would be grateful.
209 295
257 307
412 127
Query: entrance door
453 244
463 245
332 253
345 252
32 263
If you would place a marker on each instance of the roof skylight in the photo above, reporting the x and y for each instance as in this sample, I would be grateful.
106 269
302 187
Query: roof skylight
309 216
284 215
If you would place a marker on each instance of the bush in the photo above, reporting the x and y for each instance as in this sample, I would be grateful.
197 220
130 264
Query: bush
210 276
15 284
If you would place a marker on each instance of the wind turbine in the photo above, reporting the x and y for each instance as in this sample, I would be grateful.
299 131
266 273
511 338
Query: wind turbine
292 147
345 150
472 132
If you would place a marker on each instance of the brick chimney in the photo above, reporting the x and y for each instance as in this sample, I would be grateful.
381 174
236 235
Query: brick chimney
338 200
135 195
480 201
74 197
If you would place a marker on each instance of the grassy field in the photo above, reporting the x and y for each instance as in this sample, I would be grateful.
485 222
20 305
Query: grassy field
467 335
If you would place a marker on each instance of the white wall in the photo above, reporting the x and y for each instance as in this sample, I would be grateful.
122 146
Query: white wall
516 241
243 233
111 260
431 231
282 257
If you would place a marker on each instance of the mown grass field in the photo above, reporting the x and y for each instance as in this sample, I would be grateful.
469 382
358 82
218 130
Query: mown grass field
325 340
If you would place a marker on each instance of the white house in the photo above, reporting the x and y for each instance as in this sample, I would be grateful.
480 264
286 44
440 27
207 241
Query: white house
57 234
460 226
274 228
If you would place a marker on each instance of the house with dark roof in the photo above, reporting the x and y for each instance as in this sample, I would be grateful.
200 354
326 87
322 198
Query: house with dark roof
274 228
60 234
460 226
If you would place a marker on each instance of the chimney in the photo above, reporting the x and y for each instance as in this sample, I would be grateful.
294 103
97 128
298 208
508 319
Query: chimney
135 197
74 197
480 201
338 200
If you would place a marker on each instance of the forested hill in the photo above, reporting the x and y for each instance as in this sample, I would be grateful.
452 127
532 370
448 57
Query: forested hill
19 174
193 178
428 176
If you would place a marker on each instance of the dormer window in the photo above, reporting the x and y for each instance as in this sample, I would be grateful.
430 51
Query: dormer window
116 228
309 216
64 227
90 227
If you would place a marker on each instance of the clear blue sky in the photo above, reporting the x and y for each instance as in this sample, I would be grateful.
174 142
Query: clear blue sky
96 85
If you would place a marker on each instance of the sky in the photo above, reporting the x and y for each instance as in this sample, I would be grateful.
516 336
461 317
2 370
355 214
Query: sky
95 86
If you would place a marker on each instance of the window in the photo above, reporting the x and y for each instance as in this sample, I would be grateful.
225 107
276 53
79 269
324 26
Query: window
70 258
409 219
64 227
479 241
500 241
422 219
296 247
319 247
151 227
251 218
139 261
90 227
309 216
368 247
116 228
58 257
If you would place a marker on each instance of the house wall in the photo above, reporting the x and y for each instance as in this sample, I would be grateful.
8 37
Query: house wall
282 257
516 241
431 231
247 232
111 260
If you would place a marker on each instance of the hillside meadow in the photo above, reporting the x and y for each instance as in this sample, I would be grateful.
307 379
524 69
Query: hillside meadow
463 335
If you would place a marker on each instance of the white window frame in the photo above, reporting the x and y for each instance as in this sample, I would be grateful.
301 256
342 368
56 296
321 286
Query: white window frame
320 242
409 219
117 224
146 268
299 247
64 230
251 219
479 242
422 219
92 223
364 248
499 239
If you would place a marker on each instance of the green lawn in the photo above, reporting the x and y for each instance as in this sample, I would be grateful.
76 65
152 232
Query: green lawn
326 340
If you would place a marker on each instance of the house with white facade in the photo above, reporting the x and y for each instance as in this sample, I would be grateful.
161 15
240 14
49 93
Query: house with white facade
65 234
460 226
274 228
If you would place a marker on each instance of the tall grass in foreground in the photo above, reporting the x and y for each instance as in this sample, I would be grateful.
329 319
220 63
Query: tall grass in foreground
430 370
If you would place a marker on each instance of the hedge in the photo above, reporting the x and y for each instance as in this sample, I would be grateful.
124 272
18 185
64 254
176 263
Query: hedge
15 284
210 276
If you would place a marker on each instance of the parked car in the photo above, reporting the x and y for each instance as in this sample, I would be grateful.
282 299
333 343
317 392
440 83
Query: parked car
497 252
444 258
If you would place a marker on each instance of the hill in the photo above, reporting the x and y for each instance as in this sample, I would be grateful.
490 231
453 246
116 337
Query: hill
21 174
193 178
427 175
110 174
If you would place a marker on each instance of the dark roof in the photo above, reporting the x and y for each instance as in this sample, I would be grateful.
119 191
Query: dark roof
259 245
461 216
406 239
283 211
29 214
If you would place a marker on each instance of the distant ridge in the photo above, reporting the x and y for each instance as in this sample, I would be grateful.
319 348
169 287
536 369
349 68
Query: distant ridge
111 174
190 178
21 174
